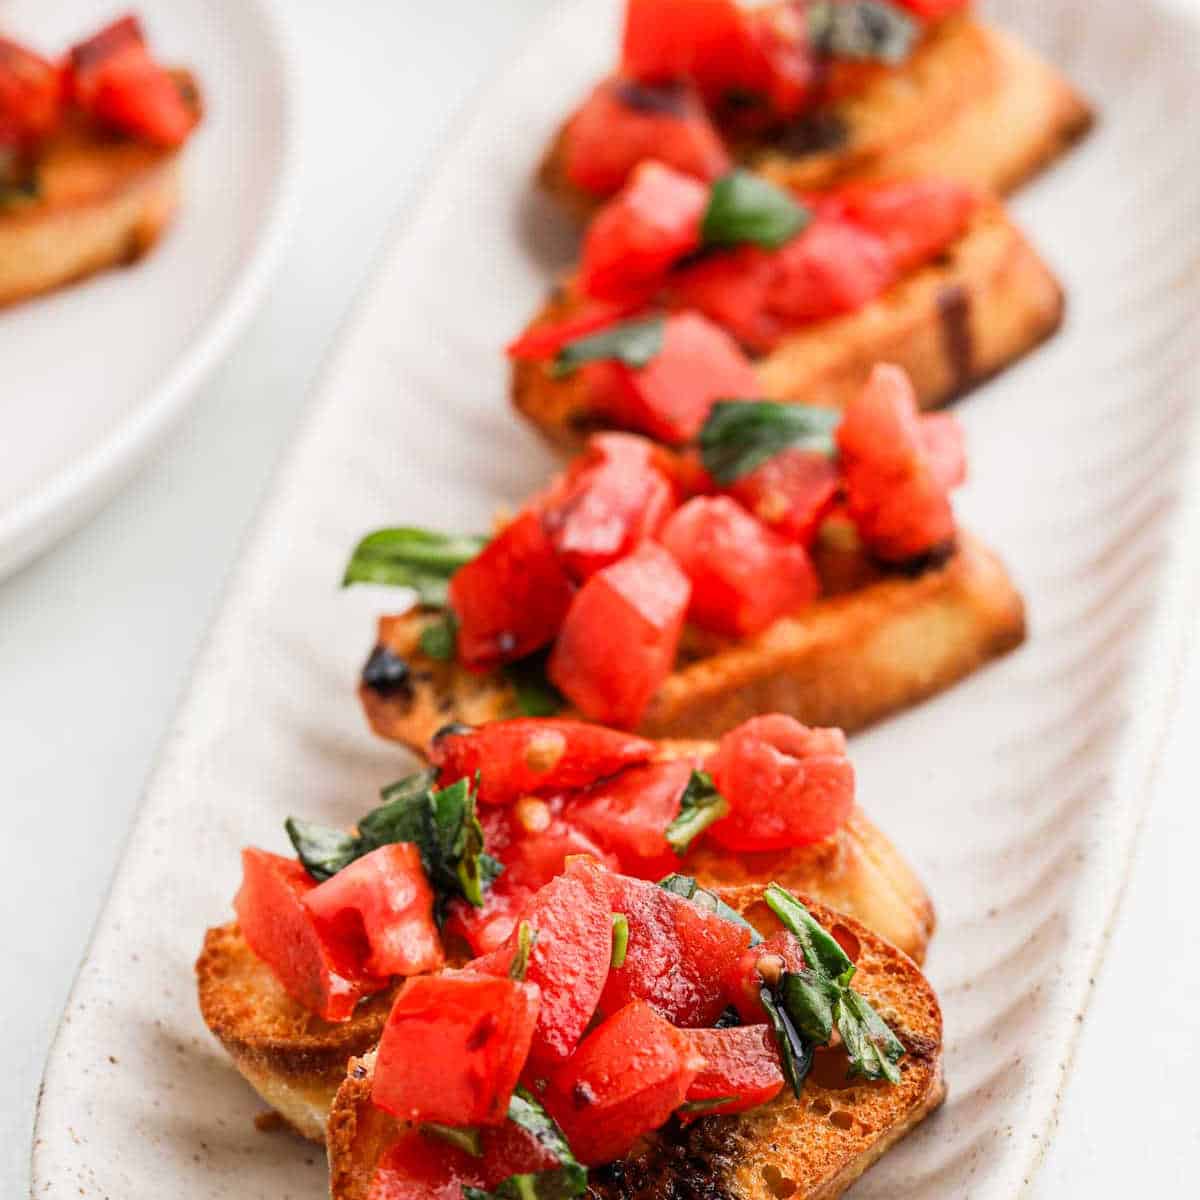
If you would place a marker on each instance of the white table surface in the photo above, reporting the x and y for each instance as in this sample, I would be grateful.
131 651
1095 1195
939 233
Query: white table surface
97 639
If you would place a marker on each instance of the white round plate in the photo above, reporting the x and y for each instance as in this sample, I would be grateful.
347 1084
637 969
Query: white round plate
95 374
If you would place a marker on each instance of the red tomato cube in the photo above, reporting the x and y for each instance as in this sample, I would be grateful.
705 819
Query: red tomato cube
730 289
633 241
945 447
381 908
787 785
469 1034
30 97
744 577
665 39
792 492
893 490
932 10
677 955
625 1080
419 1166
621 636
670 397
512 598
530 756
741 1063
283 932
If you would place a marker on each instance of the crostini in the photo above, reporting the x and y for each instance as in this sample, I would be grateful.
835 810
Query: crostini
654 1100
805 562
813 93
293 991
89 157
688 292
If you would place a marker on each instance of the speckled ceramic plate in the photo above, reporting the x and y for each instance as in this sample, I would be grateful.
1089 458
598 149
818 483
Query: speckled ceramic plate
1017 794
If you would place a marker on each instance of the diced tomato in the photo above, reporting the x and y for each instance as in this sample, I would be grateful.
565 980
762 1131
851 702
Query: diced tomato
572 920
833 267
945 448
624 123
117 82
531 756
743 981
381 909
677 955
779 32
893 490
744 576
512 598
629 814
916 219
741 1063
731 289
419 1166
787 785
544 340
931 10
283 932
636 237
670 39
611 499
621 636
30 96
469 1033
792 492
626 1079
670 398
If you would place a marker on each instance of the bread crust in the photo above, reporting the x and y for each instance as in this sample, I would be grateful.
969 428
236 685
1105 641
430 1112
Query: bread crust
972 103
102 201
847 660
811 1148
989 300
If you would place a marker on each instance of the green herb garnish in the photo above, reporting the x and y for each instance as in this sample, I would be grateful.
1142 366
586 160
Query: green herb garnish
526 937
439 639
634 343
412 558
467 1140
746 208
740 435
697 1108
536 696
862 30
689 889
700 806
795 1051
620 939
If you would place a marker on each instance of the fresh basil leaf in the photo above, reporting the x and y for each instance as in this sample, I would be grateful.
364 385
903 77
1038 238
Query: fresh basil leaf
634 343
466 1139
439 639
536 695
322 851
697 1108
700 806
620 940
821 951
526 937
861 30
873 1048
746 208
795 1052
412 558
689 889
740 435
810 1001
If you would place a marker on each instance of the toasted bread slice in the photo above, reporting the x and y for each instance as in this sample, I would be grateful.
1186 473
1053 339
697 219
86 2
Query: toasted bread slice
811 1148
971 104
847 660
986 302
100 202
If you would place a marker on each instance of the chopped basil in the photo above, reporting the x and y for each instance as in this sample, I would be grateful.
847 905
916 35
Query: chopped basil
700 806
740 435
819 998
746 208
442 824
697 1108
620 939
536 695
412 558
862 30
467 1140
795 1051
634 343
568 1178
689 889
526 937
439 639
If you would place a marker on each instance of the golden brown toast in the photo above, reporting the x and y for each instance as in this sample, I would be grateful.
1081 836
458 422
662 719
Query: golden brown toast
971 104
101 201
986 302
811 1148
847 660
296 1061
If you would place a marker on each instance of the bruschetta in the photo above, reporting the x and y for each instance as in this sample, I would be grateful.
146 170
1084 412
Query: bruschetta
807 562
813 94
89 157
290 1030
765 292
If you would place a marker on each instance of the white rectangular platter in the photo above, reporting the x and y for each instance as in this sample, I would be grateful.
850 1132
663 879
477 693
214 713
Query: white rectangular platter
1017 795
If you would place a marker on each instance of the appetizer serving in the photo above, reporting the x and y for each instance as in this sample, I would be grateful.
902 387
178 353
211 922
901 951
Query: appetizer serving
456 856
688 292
812 92
799 560
89 151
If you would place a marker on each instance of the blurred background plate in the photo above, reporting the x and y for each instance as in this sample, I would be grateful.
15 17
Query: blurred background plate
95 374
